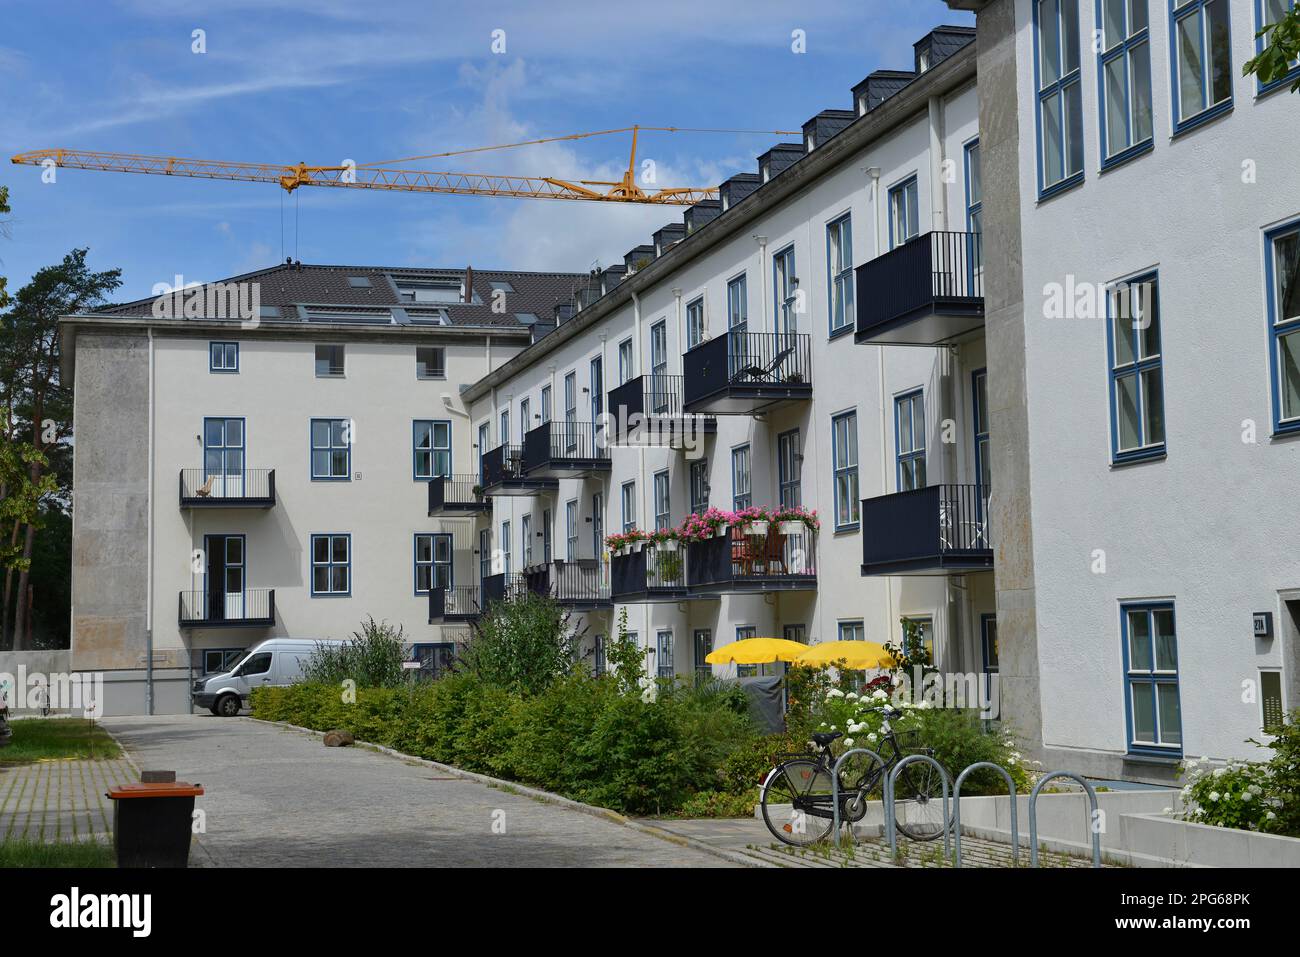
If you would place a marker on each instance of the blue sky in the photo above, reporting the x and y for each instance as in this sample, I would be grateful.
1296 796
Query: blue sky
329 80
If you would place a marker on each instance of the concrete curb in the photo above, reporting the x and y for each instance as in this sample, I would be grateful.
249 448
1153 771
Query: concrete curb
513 787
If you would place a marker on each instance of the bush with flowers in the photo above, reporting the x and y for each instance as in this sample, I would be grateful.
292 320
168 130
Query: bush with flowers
1250 795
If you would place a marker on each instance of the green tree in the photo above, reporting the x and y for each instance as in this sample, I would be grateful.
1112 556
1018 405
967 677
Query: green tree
1281 50
36 418
4 208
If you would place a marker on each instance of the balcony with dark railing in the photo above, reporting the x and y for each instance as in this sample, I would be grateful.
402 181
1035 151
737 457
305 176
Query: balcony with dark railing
936 530
502 586
652 574
740 373
246 488
503 473
458 603
579 585
457 495
740 561
927 291
563 449
251 608
647 411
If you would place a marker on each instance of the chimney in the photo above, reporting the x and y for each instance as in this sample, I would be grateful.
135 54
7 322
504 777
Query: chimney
468 297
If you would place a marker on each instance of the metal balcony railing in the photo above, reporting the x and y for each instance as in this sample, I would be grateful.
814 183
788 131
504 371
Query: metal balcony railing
253 607
460 602
740 561
758 365
927 530
457 493
579 583
502 464
649 573
246 487
557 442
934 274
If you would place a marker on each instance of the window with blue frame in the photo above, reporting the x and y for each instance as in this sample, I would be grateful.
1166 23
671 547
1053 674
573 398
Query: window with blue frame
1060 94
331 565
844 463
904 212
1267 14
980 414
628 501
694 322
1201 40
331 450
852 631
741 496
223 356
1124 78
786 284
1137 405
909 440
1282 267
505 548
431 452
1151 702
839 266
432 562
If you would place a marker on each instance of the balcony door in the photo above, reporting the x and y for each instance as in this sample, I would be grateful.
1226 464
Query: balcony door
659 367
224 580
223 457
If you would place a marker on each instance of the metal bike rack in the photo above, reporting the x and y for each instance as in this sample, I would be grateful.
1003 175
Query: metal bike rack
835 785
1033 815
891 818
956 810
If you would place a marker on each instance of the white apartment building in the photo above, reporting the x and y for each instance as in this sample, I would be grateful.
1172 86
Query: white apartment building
235 479
1148 581
737 329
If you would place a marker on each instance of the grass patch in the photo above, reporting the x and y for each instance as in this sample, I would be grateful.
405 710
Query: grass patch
72 854
53 738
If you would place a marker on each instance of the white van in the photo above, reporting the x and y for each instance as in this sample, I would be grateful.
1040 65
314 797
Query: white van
274 663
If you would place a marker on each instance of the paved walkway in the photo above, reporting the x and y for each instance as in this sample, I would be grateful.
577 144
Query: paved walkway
49 801
280 798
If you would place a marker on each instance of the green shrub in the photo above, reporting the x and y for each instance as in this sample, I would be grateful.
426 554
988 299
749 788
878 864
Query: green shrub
747 766
719 804
522 645
1251 795
372 659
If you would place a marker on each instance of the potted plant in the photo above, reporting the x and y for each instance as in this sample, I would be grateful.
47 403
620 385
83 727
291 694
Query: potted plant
753 521
795 518
664 540
477 492
669 566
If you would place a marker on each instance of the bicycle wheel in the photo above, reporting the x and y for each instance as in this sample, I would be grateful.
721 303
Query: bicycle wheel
796 803
918 802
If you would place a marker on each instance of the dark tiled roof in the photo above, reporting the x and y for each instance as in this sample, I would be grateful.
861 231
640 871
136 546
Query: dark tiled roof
336 290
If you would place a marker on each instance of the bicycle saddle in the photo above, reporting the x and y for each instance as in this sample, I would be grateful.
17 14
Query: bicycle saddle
823 738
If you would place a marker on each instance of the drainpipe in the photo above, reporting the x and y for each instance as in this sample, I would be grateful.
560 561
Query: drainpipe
636 337
938 192
681 337
149 548
874 173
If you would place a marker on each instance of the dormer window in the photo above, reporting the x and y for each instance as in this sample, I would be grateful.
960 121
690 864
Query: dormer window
809 143
420 291
862 105
765 171
923 61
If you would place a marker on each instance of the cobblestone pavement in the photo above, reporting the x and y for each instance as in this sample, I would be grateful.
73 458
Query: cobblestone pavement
751 838
50 801
280 798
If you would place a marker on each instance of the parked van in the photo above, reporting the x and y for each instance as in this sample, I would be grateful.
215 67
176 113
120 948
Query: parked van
274 663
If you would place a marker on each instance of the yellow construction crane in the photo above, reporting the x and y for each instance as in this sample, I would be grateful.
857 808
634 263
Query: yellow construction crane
378 176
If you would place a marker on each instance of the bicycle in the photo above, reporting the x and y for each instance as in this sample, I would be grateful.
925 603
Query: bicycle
796 794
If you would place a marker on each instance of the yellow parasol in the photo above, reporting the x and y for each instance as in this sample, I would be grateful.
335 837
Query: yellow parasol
756 651
856 655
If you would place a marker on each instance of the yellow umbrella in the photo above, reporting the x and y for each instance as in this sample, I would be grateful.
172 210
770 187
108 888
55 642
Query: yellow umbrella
756 651
857 655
